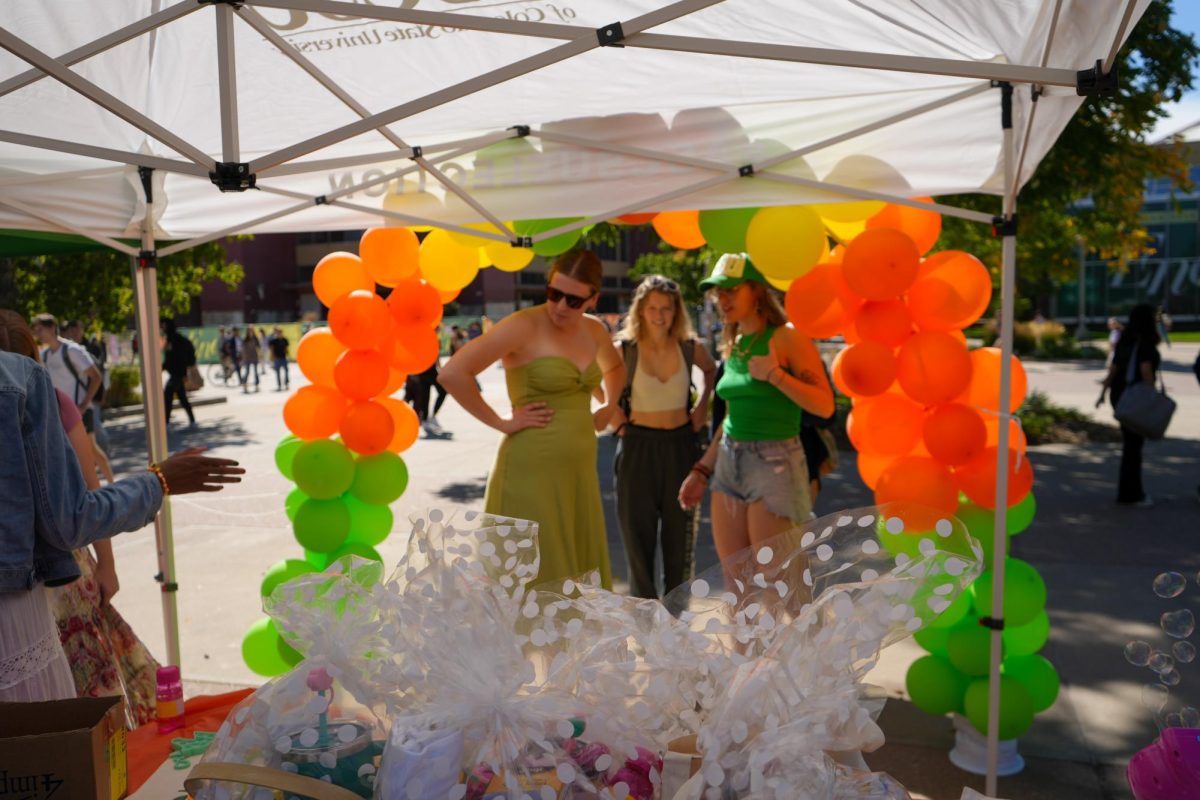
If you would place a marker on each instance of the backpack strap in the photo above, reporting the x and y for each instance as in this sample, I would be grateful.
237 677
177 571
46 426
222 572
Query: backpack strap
689 359
629 353
74 373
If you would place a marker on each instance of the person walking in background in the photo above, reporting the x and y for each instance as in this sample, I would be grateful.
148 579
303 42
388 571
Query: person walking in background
250 354
554 356
73 371
1135 360
178 355
263 339
657 423
73 330
773 374
1114 336
235 354
278 345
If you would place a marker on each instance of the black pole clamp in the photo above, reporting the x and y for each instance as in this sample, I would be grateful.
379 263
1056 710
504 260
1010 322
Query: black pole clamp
417 152
610 35
1004 226
232 176
166 586
746 171
147 259
1095 82
521 130
522 241
994 623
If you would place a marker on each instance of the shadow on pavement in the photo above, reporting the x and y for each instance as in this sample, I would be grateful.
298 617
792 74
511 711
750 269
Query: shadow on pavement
127 438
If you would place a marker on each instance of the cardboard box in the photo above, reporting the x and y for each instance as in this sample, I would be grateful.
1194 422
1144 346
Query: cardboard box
63 750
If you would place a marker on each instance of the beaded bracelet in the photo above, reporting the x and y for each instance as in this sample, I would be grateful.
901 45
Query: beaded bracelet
162 479
702 469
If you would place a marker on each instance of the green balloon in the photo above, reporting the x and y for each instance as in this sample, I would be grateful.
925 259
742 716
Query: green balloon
323 468
959 607
260 649
282 572
933 639
1020 516
905 543
285 452
981 524
319 560
1016 707
379 479
1037 675
290 655
1027 639
555 245
292 503
1024 592
725 229
355 549
369 523
935 686
969 647
322 525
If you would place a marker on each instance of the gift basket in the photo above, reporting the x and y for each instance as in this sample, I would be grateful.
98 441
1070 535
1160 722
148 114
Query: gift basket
457 678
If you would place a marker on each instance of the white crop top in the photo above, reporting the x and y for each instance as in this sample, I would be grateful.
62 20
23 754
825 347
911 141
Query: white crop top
649 394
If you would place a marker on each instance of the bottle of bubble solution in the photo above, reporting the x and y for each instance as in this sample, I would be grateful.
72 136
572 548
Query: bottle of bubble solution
170 699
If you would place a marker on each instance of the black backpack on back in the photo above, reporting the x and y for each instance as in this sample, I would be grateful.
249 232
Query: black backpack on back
629 352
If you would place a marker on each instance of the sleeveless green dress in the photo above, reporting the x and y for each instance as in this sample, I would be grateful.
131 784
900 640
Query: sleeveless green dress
548 475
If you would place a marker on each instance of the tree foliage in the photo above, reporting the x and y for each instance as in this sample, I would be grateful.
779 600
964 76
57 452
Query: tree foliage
97 286
685 267
1088 189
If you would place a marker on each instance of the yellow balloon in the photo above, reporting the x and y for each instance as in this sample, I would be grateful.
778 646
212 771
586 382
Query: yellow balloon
856 211
785 242
845 231
466 240
781 285
507 258
445 263
484 261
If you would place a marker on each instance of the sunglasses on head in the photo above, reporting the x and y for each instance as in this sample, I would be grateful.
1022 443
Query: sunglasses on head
659 282
573 300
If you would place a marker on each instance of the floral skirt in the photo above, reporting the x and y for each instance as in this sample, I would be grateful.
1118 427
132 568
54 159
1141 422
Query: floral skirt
106 658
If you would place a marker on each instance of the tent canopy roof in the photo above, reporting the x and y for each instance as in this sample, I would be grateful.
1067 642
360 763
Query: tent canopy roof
320 97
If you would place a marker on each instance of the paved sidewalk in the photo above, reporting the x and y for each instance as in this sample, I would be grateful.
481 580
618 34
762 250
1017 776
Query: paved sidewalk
1098 561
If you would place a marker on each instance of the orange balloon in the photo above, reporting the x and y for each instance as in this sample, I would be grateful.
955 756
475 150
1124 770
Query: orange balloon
871 466
881 263
448 296
639 219
680 229
361 374
952 290
922 488
891 424
360 320
396 381
856 425
416 348
405 425
313 412
338 274
922 226
864 369
954 434
885 321
415 302
933 367
316 354
367 427
977 478
850 300
984 388
390 254
812 305
1016 434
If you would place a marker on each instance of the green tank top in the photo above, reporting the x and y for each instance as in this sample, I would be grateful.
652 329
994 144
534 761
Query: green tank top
755 410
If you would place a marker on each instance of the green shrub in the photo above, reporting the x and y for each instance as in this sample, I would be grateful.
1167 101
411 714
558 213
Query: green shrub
124 380
1044 422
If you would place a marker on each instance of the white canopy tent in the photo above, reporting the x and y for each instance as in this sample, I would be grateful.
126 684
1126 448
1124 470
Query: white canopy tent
117 119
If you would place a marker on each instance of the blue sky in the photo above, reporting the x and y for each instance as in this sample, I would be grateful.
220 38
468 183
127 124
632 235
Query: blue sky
1185 16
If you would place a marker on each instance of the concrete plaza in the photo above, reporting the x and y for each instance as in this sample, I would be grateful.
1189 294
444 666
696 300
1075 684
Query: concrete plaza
1098 561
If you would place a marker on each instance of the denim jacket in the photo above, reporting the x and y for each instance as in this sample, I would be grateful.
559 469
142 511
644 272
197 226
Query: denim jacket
46 510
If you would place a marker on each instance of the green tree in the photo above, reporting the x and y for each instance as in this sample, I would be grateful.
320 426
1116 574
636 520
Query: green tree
97 286
685 267
1103 157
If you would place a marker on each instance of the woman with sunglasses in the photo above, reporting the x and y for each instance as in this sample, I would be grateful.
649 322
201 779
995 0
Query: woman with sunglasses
554 355
773 374
657 424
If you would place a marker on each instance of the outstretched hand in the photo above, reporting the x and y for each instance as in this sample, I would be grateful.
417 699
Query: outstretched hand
188 471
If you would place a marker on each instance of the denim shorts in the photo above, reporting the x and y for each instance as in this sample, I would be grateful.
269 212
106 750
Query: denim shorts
775 472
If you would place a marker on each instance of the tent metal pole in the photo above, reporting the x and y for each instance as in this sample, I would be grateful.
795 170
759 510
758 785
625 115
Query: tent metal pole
411 220
1000 520
227 83
1035 92
1122 29
145 282
119 36
460 146
867 194
585 41
17 205
179 247
56 177
104 153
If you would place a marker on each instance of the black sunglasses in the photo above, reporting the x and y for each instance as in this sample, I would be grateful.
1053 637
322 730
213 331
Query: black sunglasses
573 300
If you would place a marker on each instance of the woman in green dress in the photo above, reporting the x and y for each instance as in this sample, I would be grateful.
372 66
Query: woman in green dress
554 355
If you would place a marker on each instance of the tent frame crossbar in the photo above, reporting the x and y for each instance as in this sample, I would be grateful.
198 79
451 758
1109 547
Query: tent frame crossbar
103 153
1036 92
227 84
66 227
58 177
461 146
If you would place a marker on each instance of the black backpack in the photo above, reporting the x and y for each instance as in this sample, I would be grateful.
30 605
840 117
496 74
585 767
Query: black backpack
629 352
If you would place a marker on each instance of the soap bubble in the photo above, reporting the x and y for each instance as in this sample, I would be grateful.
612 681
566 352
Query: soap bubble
1154 696
1184 652
1169 677
1178 624
1173 720
1160 661
1137 653
1190 717
1169 584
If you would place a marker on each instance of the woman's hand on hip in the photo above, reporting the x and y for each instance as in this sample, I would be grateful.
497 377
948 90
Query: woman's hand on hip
533 415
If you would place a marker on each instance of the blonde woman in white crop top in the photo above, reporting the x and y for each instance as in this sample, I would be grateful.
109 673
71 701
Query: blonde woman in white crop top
658 427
